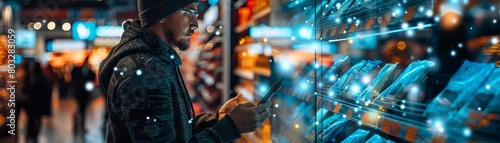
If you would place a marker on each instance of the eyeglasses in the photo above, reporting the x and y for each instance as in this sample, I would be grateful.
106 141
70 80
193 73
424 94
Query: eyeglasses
192 14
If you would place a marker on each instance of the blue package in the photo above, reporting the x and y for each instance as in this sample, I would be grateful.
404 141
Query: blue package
376 139
462 84
378 83
358 136
413 75
361 79
345 79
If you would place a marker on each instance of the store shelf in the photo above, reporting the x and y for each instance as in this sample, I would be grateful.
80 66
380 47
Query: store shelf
384 20
415 129
253 19
246 74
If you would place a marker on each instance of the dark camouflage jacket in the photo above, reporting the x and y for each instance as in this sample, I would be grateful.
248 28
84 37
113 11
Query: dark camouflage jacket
146 97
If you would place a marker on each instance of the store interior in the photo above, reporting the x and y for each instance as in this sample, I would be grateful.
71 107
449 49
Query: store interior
374 71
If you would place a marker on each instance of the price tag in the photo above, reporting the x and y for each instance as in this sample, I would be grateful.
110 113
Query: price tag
386 126
337 108
329 106
439 139
411 134
395 129
349 113
365 118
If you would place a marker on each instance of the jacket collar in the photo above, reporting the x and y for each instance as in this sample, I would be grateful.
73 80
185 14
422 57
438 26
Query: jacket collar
153 43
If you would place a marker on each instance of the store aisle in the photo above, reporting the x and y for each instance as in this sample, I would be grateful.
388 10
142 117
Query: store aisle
58 128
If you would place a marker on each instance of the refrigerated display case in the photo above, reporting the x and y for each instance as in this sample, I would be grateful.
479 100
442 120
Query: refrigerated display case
397 71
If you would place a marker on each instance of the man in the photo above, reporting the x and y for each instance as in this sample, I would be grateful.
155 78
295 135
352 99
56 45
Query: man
146 97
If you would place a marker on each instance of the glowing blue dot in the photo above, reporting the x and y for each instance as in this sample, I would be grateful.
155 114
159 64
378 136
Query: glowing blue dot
404 25
466 1
410 33
470 28
467 132
115 68
337 20
360 123
305 8
296 2
332 78
121 73
492 8
293 38
404 114
338 5
494 40
271 61
460 45
316 65
421 9
438 124
138 72
349 20
320 85
429 13
190 121
429 50
274 115
488 87
326 5
344 116
420 25
276 105
404 101
147 117
262 89
453 53
154 120
330 93
478 108
441 129
402 106
414 90
89 86
171 56
494 21
317 123
436 19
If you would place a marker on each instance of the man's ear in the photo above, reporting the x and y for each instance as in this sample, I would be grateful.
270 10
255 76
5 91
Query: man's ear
162 20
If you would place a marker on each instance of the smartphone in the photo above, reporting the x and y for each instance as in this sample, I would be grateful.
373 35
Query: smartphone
272 91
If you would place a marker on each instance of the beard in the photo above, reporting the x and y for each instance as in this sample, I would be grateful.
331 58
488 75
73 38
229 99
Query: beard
183 46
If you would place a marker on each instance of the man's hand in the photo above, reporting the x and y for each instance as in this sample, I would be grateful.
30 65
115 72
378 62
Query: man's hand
249 117
229 106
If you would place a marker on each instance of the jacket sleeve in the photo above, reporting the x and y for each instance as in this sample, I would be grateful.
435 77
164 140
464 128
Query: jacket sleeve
147 109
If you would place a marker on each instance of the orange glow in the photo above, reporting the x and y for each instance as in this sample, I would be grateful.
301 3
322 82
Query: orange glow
401 45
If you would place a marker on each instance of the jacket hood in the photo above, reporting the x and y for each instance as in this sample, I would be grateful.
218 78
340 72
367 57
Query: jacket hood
135 39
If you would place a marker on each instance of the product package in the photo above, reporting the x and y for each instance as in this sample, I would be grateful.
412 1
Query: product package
486 105
376 139
379 83
337 131
458 92
486 92
405 92
319 116
357 137
347 77
326 123
361 79
330 76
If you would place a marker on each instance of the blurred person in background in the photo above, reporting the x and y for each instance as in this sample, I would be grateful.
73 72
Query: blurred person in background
21 97
39 90
147 98
82 82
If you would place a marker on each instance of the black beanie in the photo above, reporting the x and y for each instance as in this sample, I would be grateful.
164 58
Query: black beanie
151 11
